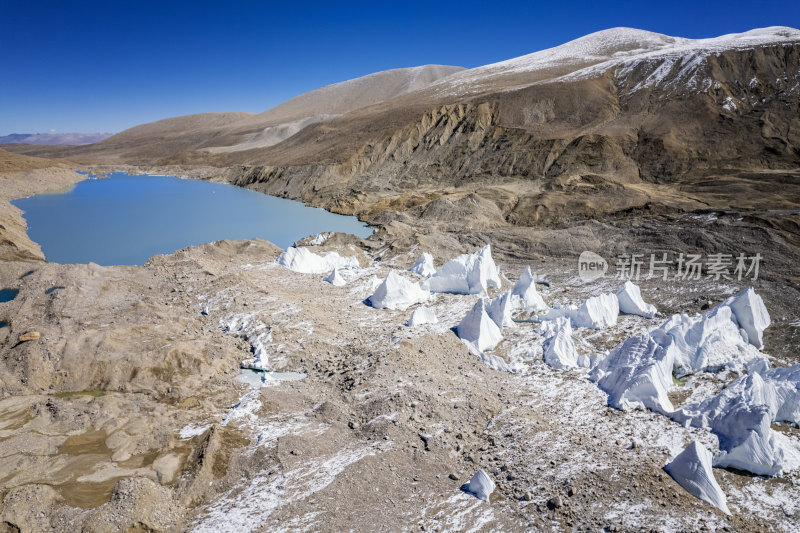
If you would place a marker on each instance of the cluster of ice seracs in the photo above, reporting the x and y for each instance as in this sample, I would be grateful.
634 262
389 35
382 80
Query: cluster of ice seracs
636 374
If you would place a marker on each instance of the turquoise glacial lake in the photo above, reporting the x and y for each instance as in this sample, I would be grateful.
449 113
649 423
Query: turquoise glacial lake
125 219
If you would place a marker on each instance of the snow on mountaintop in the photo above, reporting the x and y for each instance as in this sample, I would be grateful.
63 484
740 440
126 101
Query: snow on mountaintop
598 46
595 53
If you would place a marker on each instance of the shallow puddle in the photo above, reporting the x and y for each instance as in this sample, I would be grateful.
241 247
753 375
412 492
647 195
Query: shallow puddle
90 442
6 295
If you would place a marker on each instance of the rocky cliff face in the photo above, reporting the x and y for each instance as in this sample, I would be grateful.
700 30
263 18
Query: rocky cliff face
617 124
587 147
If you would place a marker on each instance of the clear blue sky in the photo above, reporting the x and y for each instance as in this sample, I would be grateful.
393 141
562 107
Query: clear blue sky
106 66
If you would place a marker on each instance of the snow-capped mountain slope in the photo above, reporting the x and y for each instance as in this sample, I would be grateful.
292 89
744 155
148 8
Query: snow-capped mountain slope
687 54
621 48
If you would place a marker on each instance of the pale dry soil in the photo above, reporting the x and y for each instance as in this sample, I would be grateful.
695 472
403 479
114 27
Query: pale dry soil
128 412
160 435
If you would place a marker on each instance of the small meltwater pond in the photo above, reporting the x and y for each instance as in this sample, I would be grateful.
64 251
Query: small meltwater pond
125 219
6 295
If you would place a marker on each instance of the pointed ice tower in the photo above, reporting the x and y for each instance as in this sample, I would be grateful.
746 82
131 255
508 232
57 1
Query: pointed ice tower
631 302
499 309
526 290
479 329
692 470
396 292
424 265
466 274
481 485
335 278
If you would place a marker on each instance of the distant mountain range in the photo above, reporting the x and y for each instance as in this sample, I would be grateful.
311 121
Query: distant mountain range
618 121
73 139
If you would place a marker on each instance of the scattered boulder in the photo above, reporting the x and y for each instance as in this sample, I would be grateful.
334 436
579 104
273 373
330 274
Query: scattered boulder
555 503
29 336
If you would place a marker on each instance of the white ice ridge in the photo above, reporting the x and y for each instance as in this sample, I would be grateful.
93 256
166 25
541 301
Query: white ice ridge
631 302
320 238
526 290
499 309
335 278
466 274
597 312
304 261
787 393
751 315
637 374
479 329
250 328
708 342
559 350
481 485
692 470
396 292
741 416
424 265
726 336
422 315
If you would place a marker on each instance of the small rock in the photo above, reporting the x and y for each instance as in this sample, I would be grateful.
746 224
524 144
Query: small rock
527 497
453 476
571 491
555 503
352 425
29 336
511 477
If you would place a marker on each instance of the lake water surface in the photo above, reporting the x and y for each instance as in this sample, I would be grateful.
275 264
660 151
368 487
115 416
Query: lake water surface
125 219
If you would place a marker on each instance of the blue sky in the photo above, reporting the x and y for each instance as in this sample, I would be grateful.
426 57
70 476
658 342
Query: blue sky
107 66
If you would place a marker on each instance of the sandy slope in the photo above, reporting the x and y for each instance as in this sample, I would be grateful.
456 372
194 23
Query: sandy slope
22 176
163 436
